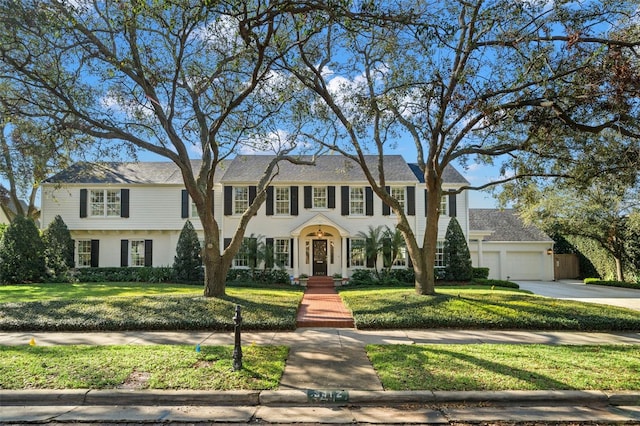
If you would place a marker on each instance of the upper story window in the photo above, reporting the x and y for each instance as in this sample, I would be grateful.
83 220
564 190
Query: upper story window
356 201
282 200
444 205
240 199
105 202
399 193
319 197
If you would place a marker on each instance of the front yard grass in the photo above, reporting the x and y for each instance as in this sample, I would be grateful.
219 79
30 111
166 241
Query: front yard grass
506 367
140 367
484 308
127 306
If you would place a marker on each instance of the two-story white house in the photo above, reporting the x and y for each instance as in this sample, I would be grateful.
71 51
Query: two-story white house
131 214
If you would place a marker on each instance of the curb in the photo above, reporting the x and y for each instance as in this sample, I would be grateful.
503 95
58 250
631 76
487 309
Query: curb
87 397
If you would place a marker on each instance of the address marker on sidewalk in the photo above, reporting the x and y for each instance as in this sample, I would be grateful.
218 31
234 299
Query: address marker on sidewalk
314 395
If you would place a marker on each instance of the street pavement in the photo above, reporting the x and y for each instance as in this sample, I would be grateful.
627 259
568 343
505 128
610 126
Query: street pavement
577 290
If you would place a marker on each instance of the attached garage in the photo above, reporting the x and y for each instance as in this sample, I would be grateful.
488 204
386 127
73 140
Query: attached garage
500 241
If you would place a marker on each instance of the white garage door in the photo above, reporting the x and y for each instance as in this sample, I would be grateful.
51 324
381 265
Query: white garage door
524 265
491 260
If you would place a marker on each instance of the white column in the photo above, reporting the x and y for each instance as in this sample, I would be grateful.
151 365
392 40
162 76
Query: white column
480 256
296 256
343 260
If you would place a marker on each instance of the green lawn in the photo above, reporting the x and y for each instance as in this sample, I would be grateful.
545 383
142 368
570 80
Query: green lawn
98 307
42 292
452 307
140 367
506 367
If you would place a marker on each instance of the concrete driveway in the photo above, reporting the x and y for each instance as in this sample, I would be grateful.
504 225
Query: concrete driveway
577 290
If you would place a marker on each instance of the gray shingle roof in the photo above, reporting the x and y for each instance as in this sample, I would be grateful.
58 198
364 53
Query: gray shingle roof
450 174
327 168
124 173
505 224
247 169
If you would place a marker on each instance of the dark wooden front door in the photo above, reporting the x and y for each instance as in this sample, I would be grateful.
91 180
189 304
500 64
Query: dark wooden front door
320 257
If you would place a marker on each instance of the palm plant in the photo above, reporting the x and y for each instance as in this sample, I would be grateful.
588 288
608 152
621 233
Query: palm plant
373 244
393 243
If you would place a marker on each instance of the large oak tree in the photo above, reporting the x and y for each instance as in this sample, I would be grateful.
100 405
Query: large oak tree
181 79
463 81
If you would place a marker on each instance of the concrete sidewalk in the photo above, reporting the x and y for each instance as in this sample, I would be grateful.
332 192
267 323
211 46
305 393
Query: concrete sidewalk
321 361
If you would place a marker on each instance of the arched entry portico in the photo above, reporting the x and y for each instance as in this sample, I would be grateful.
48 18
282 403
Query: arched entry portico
320 247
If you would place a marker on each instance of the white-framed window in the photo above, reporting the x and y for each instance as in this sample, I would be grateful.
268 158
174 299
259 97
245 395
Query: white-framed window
319 197
401 260
104 202
444 205
282 200
357 255
281 251
84 253
137 253
440 254
398 193
240 199
356 201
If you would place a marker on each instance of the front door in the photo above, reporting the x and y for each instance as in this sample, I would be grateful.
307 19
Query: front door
320 257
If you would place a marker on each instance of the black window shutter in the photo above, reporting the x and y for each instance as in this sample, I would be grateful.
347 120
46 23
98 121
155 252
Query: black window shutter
308 203
371 261
269 206
95 253
252 194
254 252
228 200
124 253
411 200
368 195
124 203
148 252
348 243
452 204
331 197
344 200
227 242
291 253
83 203
270 253
426 202
294 201
386 210
185 204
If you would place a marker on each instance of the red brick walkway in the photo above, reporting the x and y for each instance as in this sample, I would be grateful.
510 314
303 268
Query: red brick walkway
322 307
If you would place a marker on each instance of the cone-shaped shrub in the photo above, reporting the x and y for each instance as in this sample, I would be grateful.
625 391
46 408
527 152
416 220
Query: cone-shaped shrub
187 263
21 253
58 249
456 254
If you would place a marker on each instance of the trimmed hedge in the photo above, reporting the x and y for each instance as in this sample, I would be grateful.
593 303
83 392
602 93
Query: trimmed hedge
148 274
597 281
481 273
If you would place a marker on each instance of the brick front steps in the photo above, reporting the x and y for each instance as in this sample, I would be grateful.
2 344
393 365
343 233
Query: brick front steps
322 307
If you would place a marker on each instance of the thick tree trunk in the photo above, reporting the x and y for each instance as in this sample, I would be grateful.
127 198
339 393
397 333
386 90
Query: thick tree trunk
215 274
619 269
